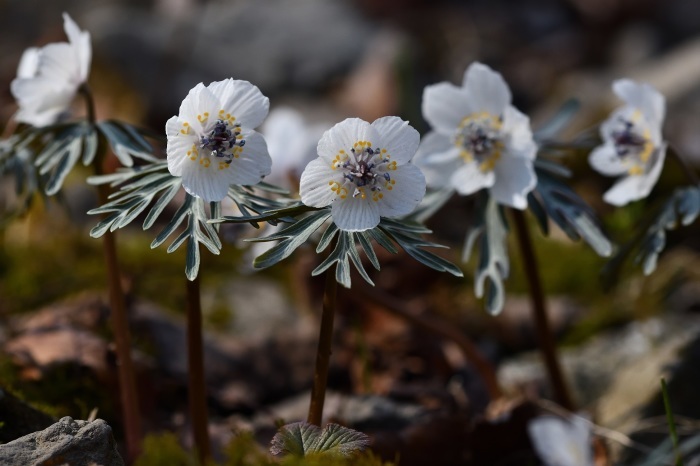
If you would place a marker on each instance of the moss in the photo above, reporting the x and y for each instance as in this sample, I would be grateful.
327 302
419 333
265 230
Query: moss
163 449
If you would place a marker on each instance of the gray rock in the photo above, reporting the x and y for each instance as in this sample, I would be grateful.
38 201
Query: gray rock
73 442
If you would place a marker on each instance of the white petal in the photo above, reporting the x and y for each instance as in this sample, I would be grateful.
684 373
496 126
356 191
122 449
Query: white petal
444 106
520 142
253 163
469 179
438 159
407 191
291 144
487 90
515 178
344 135
355 213
604 159
190 106
314 187
58 62
41 101
178 146
243 100
644 97
559 442
209 183
635 187
398 137
29 63
80 43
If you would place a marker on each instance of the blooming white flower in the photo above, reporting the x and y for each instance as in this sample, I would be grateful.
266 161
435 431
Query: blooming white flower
292 145
632 143
479 140
364 172
212 144
562 442
48 78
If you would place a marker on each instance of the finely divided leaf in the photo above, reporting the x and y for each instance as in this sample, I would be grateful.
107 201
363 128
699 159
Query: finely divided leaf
553 199
490 230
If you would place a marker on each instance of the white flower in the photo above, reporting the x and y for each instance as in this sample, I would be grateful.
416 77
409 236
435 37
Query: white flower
632 143
292 145
562 442
48 78
479 140
363 172
212 144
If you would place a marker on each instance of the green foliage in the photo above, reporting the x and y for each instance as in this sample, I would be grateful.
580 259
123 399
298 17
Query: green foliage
163 450
554 200
680 209
404 233
152 188
302 439
493 265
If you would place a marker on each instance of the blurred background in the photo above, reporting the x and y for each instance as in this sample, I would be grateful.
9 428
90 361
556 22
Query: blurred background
363 58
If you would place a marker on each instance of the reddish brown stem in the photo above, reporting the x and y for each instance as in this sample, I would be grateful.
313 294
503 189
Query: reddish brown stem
545 339
323 353
120 321
120 327
196 380
437 326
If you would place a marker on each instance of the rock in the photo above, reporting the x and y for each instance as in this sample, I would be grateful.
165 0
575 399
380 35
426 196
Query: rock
617 370
19 418
38 352
73 442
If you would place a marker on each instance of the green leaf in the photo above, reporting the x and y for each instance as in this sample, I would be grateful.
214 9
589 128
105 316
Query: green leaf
301 439
554 125
490 230
554 199
680 209
124 143
291 238
406 234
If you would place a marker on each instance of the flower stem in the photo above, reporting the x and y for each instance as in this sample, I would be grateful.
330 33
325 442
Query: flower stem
119 318
545 339
436 326
323 353
196 380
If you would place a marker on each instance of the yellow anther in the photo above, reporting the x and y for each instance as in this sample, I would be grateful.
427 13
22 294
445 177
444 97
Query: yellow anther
223 165
636 170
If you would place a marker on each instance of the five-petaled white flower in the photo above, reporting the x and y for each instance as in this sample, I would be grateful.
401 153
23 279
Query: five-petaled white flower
48 78
212 144
562 442
363 172
632 143
479 140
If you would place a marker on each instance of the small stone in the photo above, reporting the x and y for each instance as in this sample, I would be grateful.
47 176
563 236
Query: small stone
73 442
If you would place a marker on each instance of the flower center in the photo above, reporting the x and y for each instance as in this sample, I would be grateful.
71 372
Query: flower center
633 144
365 170
224 140
479 139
